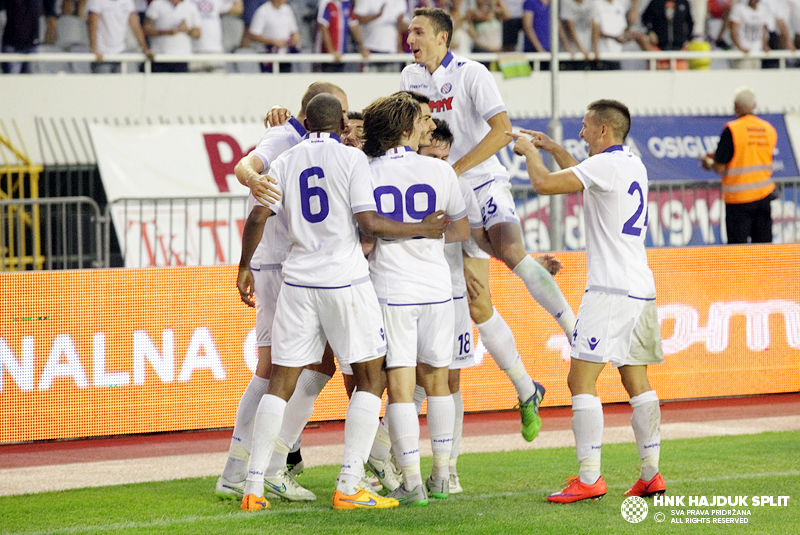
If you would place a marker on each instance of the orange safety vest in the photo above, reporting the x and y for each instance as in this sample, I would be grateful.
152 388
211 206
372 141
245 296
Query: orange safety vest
748 176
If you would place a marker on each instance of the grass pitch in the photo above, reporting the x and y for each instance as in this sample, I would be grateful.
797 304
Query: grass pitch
504 494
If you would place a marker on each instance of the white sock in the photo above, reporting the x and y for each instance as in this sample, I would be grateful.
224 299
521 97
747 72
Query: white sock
360 426
236 466
382 445
405 441
269 418
646 423
499 341
441 420
419 398
299 409
277 463
544 289
587 425
458 429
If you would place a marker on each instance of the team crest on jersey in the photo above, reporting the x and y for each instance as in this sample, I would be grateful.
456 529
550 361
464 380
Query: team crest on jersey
446 88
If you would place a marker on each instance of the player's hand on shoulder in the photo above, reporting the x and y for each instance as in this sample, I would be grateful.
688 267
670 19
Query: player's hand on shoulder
265 189
434 225
550 263
276 116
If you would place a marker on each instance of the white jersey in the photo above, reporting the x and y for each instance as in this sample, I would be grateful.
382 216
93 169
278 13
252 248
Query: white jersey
274 244
611 17
381 34
279 24
581 15
114 19
323 183
751 25
463 93
408 187
166 16
210 25
615 210
452 251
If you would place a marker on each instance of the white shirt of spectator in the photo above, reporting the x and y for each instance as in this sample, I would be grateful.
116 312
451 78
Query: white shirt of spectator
463 93
166 16
380 35
407 187
611 18
323 183
271 23
776 9
615 210
751 25
274 244
581 15
210 25
113 23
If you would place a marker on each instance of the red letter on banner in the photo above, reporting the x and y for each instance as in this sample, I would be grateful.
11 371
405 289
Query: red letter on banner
221 169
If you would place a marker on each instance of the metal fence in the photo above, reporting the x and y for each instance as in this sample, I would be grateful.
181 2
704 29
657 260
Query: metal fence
77 233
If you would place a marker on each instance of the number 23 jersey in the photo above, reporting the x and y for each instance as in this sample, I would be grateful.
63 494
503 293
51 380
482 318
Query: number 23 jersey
615 216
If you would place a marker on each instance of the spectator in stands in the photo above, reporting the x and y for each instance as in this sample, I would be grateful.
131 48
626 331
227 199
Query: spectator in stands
744 159
382 26
335 24
210 41
669 23
576 20
536 27
21 33
610 31
781 36
51 21
107 22
172 24
512 24
748 26
486 25
74 7
275 26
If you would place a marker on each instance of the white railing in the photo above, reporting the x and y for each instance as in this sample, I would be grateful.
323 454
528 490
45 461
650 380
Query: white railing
652 58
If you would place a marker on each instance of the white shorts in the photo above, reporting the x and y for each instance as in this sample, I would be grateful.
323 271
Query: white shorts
617 329
496 203
463 345
419 333
347 318
267 286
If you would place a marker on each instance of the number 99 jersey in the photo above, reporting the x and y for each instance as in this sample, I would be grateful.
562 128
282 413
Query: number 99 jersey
615 213
323 183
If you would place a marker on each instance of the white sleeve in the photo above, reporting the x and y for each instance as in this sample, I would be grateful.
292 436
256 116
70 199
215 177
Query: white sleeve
473 210
258 21
595 173
94 6
483 91
323 8
456 208
362 198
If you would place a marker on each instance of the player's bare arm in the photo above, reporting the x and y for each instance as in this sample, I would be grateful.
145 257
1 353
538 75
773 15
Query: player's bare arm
457 230
543 181
495 140
374 224
248 172
251 236
542 141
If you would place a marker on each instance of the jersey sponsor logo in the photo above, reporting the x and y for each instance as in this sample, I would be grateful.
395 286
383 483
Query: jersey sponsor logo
438 106
419 86
446 88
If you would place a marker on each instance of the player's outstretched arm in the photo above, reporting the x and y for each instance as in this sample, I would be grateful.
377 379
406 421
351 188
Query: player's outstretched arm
495 140
374 224
251 236
542 141
248 172
457 230
542 180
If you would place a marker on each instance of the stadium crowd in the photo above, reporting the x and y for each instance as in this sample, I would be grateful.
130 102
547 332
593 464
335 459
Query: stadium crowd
588 30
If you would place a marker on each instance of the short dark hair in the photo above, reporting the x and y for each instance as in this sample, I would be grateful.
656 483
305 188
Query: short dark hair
324 113
613 113
317 88
442 132
419 97
355 115
387 120
440 20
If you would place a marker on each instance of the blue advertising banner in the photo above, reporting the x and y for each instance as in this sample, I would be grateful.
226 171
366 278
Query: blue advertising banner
669 146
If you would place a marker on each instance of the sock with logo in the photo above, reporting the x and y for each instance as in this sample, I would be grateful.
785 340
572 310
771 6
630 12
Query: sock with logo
496 335
269 418
544 289
404 431
241 441
299 409
360 425
458 428
646 423
441 420
587 425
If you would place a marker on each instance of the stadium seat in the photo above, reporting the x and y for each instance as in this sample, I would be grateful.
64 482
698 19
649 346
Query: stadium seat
232 31
50 67
71 31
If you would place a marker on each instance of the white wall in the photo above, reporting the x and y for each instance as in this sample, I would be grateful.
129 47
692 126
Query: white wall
65 101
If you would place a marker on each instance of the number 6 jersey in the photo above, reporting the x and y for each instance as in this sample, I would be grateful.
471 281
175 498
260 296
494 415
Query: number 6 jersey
323 183
615 212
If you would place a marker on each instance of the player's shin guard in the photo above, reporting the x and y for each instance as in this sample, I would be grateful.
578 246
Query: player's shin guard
544 289
496 335
587 425
241 441
360 425
269 418
646 423
441 420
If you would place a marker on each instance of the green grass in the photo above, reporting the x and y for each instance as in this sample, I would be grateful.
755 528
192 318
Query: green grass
504 493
